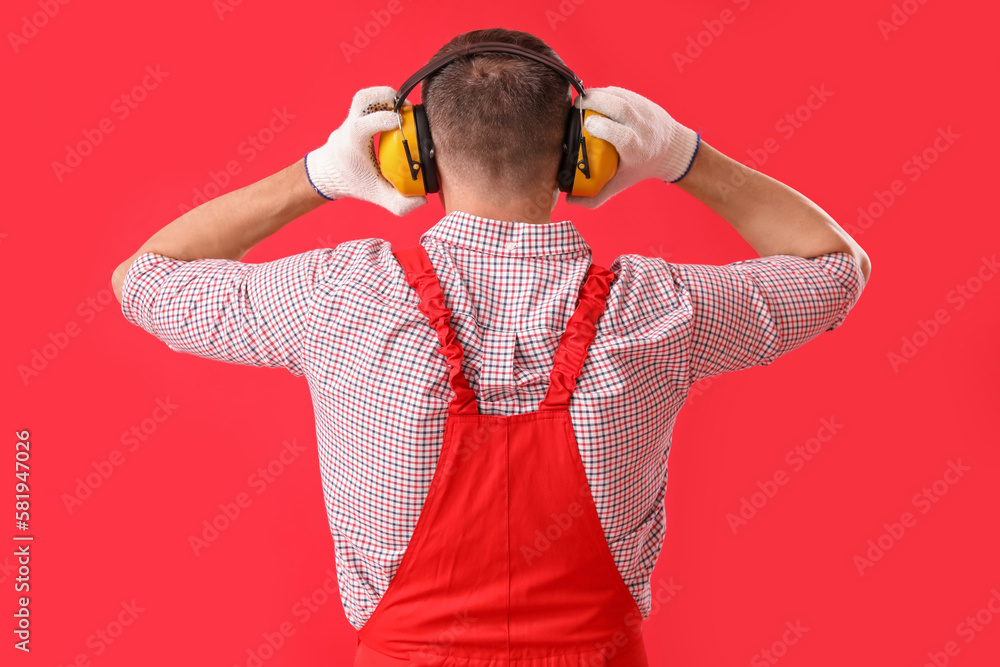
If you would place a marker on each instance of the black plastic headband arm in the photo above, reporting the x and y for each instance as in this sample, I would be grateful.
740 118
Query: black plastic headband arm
483 47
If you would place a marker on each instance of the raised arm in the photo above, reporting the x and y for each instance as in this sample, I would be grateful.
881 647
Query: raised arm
227 227
772 217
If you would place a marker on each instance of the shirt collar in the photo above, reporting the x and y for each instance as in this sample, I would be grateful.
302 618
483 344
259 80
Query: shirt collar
501 237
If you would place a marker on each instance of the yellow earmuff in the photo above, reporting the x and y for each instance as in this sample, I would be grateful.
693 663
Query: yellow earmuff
602 158
406 154
392 157
595 164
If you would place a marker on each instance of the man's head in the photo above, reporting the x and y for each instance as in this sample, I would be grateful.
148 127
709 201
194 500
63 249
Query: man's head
498 122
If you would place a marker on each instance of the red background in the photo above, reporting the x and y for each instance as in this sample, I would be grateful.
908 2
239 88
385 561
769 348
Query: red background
733 592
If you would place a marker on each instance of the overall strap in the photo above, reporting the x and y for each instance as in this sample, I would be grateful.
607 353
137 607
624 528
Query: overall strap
579 334
420 275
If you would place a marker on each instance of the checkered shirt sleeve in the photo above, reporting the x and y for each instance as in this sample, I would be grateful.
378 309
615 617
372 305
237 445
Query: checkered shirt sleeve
240 313
750 313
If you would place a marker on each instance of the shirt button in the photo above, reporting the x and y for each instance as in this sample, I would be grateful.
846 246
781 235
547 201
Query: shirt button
510 245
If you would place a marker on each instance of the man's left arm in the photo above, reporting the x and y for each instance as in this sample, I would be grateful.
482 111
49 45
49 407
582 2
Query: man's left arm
187 286
228 226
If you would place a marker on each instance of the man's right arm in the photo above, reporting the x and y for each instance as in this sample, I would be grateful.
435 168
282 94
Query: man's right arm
772 217
746 313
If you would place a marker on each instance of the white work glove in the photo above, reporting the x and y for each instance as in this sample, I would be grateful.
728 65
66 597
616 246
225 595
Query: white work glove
346 166
649 142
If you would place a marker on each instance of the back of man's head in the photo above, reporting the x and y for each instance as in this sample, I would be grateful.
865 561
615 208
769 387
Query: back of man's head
497 119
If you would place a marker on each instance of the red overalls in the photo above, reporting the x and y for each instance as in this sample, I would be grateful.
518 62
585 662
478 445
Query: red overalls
508 564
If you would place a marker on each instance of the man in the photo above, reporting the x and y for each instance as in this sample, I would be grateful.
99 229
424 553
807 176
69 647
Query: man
473 325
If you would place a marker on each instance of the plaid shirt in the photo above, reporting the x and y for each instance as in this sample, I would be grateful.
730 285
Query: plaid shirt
346 319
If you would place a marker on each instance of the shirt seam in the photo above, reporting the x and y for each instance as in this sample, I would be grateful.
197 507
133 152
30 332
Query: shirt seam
563 256
306 329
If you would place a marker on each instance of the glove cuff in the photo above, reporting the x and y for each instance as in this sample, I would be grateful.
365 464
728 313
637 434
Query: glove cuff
322 174
683 147
312 182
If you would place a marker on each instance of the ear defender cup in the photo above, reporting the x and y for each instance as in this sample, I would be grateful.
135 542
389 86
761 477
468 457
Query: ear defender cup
409 166
425 146
588 164
392 160
584 167
406 154
567 164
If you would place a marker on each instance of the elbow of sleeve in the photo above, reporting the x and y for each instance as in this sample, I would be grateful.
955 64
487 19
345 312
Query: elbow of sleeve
851 273
117 281
866 267
851 295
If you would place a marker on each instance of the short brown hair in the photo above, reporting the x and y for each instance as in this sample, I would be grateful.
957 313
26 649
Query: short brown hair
498 118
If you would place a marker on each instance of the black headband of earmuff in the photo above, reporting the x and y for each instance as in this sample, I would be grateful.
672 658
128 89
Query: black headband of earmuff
482 47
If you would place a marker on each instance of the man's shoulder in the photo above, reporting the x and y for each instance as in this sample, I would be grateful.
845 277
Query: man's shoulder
645 293
366 262
644 272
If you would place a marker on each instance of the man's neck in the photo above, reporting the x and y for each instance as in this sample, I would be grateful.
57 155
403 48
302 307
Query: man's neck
537 210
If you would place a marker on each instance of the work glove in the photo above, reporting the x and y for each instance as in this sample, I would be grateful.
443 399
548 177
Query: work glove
649 142
346 166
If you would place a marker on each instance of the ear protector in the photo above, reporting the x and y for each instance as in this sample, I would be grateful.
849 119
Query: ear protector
406 155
